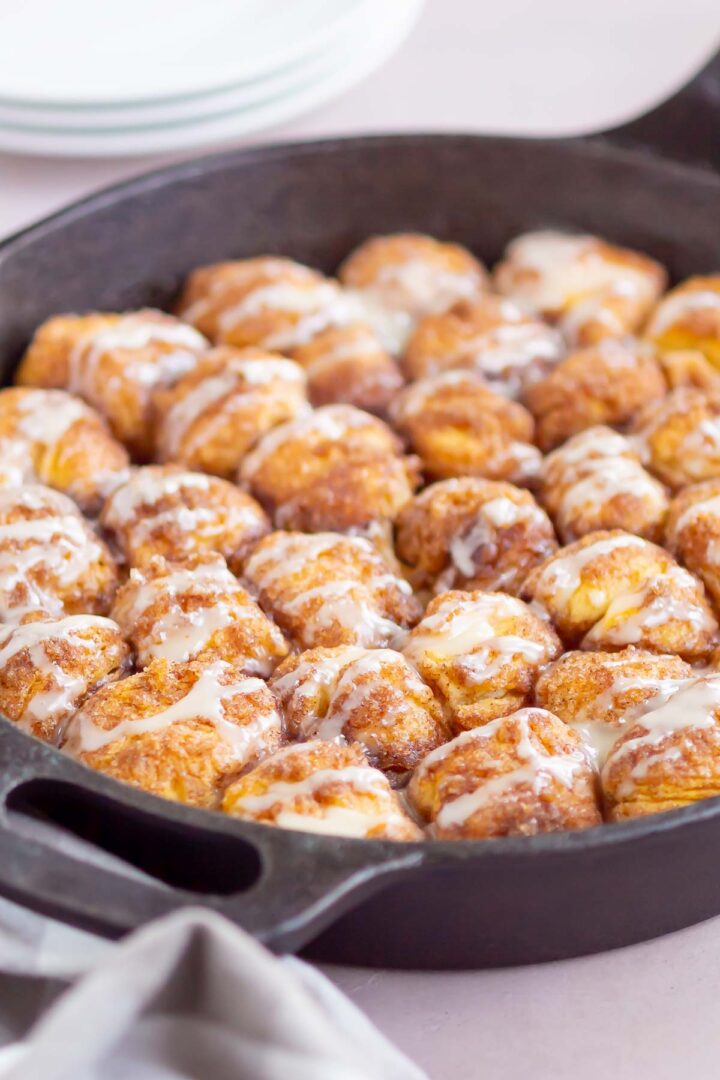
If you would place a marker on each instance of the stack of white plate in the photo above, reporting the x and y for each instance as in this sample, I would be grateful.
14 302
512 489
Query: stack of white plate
87 77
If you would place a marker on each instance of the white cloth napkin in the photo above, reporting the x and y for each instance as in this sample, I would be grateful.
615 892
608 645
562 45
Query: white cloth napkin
189 997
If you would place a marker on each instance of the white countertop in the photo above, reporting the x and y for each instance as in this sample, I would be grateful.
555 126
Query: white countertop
520 66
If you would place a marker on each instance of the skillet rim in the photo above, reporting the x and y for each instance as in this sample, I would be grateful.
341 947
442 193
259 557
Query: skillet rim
434 853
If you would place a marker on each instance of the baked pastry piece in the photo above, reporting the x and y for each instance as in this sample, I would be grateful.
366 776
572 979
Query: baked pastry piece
196 610
688 367
164 510
54 438
470 533
693 533
401 277
593 289
459 427
601 694
267 301
481 654
521 774
217 412
114 362
49 666
50 559
596 481
182 731
670 757
338 468
321 787
370 696
497 337
688 317
329 589
679 438
608 383
613 589
348 364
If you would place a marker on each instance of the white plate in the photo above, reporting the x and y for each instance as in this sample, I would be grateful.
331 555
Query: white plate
349 64
90 52
192 107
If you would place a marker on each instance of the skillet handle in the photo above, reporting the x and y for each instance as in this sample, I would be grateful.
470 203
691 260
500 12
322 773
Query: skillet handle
686 127
84 849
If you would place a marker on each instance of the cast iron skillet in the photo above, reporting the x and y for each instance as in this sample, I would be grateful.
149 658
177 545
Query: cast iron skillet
650 185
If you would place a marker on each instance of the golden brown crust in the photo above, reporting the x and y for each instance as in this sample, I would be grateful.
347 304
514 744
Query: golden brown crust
115 362
688 317
50 559
321 787
459 427
216 413
693 533
594 289
498 338
370 696
522 774
268 301
182 731
48 667
348 365
328 589
470 533
679 438
413 273
670 757
612 589
338 468
596 481
601 693
196 610
607 383
58 440
168 511
481 654
688 367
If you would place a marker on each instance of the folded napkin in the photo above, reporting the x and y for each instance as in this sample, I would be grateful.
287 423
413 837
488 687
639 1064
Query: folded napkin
189 997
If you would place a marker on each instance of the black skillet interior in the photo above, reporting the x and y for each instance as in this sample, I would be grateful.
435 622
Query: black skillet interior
75 844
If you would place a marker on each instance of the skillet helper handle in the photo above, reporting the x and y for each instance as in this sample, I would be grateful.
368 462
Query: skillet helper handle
686 127
79 847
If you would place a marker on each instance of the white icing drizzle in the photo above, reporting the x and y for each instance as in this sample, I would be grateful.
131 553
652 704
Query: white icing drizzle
654 604
238 384
135 333
511 355
603 480
600 735
463 628
566 268
47 415
562 576
62 544
147 487
678 305
346 600
65 688
497 513
357 779
422 286
333 422
703 508
204 702
692 708
391 325
537 769
317 304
